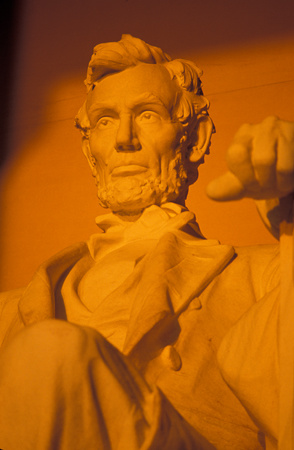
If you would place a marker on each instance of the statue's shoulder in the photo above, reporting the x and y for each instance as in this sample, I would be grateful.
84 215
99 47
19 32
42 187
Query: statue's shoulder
9 298
56 264
257 265
257 255
67 256
8 309
260 251
47 275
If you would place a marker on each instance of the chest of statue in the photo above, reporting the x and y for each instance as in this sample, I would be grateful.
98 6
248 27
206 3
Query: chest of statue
187 372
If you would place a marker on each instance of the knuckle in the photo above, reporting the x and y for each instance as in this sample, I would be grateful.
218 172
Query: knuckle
287 134
245 130
271 120
261 159
269 128
237 153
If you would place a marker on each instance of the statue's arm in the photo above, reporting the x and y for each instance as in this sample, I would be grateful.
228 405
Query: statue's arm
261 166
257 355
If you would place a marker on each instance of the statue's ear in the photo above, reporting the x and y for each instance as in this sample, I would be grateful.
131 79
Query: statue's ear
200 138
90 158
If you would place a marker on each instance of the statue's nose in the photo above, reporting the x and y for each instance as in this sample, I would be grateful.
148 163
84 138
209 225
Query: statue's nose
126 138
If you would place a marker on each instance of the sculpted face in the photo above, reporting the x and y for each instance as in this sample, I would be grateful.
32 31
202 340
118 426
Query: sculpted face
135 139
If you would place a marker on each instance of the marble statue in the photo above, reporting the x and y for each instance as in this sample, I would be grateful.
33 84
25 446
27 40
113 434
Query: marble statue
149 336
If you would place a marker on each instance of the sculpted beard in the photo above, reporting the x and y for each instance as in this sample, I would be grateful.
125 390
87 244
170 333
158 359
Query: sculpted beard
132 194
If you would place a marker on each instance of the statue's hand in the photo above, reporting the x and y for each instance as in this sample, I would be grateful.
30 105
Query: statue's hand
260 161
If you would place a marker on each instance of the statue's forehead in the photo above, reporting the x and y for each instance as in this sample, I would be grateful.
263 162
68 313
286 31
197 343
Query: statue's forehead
146 82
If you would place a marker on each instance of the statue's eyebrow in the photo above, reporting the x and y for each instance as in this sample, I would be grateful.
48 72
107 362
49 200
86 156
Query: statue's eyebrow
100 107
147 98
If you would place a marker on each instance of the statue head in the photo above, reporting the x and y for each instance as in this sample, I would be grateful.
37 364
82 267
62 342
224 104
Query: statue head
145 125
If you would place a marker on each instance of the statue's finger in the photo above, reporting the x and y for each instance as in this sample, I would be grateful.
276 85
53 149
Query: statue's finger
239 162
225 188
285 165
264 158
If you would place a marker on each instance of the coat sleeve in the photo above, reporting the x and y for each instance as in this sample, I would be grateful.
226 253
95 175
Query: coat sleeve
248 355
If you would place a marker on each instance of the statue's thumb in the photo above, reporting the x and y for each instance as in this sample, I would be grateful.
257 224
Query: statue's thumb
225 188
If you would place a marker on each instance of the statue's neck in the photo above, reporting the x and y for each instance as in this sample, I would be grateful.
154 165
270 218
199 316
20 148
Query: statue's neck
133 216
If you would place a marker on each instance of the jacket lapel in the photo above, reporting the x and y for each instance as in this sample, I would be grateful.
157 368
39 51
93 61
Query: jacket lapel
172 275
161 287
38 300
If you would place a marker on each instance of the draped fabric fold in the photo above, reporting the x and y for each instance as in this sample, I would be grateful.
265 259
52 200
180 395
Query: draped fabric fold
70 389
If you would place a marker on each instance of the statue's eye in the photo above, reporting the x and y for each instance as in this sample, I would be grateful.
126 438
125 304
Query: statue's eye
104 122
149 117
146 116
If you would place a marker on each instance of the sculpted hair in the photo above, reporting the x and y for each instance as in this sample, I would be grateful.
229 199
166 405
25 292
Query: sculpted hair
114 57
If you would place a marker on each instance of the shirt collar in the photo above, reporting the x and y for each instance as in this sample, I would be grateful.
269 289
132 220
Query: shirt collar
152 224
152 218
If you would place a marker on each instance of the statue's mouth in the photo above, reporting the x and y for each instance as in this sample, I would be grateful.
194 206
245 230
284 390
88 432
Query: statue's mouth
128 170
